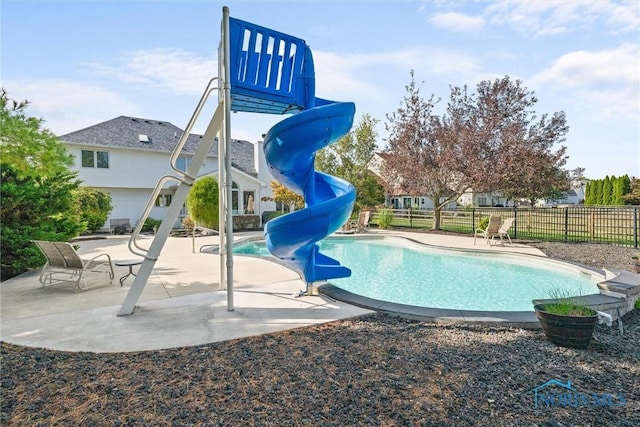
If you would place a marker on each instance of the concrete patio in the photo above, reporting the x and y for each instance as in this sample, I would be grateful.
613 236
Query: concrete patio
182 304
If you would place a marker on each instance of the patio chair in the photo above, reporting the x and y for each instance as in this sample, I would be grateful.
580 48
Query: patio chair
504 229
64 266
362 223
491 231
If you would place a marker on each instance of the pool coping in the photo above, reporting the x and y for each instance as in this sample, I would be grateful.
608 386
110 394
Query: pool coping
518 319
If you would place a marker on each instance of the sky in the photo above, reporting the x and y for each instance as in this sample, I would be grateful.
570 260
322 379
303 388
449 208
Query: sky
80 63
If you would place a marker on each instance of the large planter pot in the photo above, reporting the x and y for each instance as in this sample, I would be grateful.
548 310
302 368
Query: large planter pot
567 330
636 265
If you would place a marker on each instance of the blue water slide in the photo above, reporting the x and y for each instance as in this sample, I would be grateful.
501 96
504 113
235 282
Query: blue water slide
290 148
273 73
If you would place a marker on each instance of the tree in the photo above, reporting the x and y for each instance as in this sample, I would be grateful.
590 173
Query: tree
633 197
349 159
525 164
423 156
288 198
203 202
588 193
36 186
481 142
93 206
607 191
621 186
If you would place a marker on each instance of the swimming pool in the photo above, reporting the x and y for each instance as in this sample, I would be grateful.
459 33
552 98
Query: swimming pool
400 271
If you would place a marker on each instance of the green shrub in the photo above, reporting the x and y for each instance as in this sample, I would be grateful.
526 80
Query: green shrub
150 224
93 206
483 223
385 218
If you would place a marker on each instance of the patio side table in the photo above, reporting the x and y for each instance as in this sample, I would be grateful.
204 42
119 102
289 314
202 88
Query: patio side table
128 263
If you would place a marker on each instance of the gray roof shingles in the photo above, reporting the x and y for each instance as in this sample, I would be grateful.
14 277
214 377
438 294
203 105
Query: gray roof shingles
123 132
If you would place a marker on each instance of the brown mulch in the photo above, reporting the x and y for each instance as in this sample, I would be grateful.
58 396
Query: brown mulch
371 371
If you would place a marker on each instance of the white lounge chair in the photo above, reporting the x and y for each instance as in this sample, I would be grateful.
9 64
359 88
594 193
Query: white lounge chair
64 266
504 229
491 231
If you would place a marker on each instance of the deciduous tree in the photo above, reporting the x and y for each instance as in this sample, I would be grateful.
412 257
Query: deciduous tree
486 141
349 159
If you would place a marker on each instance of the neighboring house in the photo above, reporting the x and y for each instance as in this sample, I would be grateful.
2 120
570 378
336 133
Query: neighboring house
574 196
126 157
398 197
494 199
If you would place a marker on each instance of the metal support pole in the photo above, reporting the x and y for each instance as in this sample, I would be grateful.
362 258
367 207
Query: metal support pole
227 137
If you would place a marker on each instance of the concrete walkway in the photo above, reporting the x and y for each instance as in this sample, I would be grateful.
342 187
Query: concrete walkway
181 304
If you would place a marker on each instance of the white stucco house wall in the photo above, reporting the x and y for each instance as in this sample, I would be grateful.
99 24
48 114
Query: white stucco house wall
126 157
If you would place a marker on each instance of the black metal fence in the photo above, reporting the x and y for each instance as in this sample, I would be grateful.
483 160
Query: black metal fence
615 225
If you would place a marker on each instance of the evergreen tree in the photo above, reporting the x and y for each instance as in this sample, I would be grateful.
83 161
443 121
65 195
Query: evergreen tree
607 191
37 189
597 196
588 194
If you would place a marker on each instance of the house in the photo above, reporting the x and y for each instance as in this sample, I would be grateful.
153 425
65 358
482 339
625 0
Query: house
493 199
126 157
398 197
574 196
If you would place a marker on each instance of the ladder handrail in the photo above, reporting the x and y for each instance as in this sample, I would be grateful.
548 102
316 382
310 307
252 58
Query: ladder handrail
185 135
185 177
145 214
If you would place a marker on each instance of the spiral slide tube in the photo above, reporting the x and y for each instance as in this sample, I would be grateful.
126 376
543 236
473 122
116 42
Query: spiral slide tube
290 148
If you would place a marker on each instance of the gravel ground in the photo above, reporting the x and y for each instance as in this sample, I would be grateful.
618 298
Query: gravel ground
371 371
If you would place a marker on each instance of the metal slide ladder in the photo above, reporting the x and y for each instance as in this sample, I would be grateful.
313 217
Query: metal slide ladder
185 180
261 71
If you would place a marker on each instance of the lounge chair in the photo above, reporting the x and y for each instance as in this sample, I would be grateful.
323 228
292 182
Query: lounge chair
362 223
504 229
491 231
64 266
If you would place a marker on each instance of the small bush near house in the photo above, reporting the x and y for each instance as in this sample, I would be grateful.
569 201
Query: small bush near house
188 223
150 224
93 206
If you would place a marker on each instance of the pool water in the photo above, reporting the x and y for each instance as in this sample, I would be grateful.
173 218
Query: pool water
396 271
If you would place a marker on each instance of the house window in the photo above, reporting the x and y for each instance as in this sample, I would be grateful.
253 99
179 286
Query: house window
182 163
234 199
248 197
482 201
95 159
163 200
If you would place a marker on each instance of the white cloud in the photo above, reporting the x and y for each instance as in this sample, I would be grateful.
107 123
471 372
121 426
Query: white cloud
457 22
541 18
586 68
177 70
364 75
66 105
607 81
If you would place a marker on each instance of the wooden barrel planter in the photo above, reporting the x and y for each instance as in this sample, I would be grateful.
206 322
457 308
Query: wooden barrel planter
567 330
